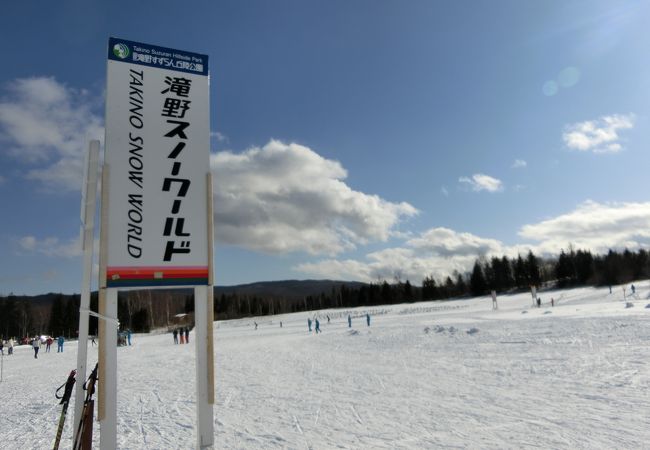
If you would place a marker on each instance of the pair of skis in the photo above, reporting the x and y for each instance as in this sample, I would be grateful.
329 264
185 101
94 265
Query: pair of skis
84 436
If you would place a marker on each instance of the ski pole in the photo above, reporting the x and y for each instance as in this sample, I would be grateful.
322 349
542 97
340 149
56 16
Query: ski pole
83 436
65 400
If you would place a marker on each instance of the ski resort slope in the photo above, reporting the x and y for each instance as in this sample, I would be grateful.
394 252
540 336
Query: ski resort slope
430 375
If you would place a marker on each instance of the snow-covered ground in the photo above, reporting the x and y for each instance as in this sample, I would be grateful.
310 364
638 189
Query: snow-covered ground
426 375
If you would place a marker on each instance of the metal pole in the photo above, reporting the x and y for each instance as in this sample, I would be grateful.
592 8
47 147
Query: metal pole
88 232
107 370
204 318
108 425
103 258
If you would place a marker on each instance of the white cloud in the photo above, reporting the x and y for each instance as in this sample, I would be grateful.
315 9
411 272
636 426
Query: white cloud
594 226
445 242
220 137
46 124
600 135
439 251
481 182
51 246
286 198
519 164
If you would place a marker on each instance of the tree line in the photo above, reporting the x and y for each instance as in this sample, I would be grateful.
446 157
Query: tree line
142 311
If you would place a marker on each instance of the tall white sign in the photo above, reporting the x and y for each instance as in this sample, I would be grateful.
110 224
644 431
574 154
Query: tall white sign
156 218
157 148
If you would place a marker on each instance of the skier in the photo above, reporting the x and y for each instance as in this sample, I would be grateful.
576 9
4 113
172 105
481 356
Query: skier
328 319
309 324
349 321
93 341
633 289
11 346
36 344
48 344
175 333
255 325
60 341
552 302
180 335
128 335
280 324
187 335
368 319
317 327
539 302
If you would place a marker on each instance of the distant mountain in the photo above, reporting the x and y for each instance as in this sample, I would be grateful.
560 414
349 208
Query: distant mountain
289 289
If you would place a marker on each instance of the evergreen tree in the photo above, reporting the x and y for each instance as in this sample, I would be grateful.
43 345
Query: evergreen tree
408 292
584 266
461 286
57 316
521 276
532 269
564 269
477 283
386 294
450 287
429 288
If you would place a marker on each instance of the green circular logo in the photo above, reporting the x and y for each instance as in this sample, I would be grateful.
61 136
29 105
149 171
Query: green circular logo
121 51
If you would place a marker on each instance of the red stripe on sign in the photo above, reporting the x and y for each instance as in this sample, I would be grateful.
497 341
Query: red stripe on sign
144 273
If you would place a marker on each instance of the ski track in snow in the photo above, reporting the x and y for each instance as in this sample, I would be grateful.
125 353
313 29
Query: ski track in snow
576 376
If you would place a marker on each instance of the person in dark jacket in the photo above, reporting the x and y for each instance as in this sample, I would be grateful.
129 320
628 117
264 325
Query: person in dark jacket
59 344
175 333
317 327
309 324
368 319
36 345
187 335
349 321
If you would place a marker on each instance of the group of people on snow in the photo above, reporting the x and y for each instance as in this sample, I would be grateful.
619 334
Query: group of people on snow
181 335
9 344
316 323
38 342
123 338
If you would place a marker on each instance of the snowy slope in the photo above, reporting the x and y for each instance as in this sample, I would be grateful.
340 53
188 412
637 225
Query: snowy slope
426 375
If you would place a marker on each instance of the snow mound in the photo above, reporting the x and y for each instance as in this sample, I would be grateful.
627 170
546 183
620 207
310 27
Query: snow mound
472 331
441 329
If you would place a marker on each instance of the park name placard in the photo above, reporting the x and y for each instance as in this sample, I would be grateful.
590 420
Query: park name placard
157 152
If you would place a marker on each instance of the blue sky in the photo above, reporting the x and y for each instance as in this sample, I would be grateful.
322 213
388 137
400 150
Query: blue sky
359 140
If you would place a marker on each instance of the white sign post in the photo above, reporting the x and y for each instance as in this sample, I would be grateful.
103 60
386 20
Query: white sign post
533 292
494 300
89 193
157 219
